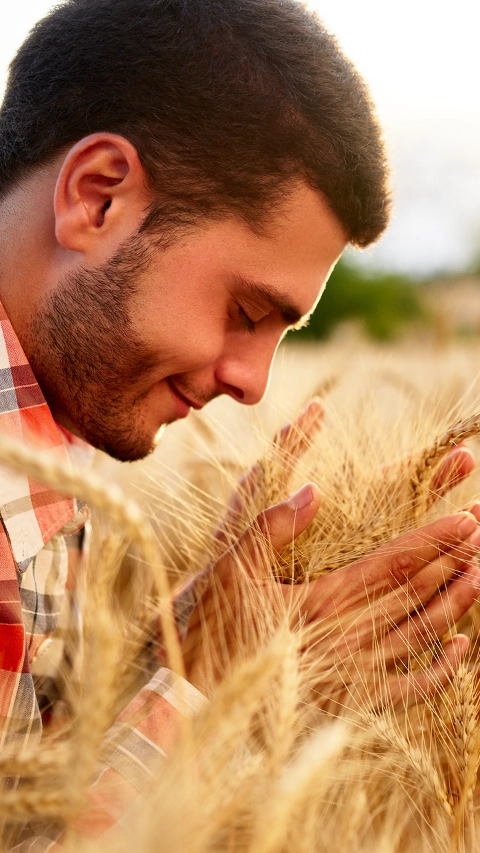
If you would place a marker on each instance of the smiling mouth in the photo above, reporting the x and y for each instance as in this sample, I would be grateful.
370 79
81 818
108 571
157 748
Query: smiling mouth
190 403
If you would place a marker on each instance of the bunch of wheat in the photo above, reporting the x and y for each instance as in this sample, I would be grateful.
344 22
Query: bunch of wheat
268 766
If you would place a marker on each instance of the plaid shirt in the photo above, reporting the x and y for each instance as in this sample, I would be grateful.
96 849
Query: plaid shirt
41 587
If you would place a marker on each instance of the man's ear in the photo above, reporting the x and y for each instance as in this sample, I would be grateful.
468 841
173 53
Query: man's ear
100 195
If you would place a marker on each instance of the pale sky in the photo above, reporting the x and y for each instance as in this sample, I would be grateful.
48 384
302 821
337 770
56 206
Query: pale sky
421 61
420 57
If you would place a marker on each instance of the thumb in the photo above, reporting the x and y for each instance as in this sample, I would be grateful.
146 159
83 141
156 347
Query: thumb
277 527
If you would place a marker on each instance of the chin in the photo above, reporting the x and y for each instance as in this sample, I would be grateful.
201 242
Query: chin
124 448
127 438
133 451
127 454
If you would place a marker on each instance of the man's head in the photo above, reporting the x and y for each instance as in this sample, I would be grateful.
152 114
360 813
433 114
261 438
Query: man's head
226 102
179 174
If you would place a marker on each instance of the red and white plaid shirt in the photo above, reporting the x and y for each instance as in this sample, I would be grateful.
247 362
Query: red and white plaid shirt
41 585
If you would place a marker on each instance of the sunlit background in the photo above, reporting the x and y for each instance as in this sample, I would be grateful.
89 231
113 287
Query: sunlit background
421 60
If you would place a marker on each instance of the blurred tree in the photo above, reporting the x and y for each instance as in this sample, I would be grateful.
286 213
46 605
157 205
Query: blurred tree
474 268
382 302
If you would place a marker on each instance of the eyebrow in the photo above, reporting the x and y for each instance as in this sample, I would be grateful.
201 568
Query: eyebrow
290 312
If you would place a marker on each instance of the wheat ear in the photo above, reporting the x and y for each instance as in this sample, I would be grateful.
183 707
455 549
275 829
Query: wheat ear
432 455
108 499
387 731
464 724
305 777
464 720
32 762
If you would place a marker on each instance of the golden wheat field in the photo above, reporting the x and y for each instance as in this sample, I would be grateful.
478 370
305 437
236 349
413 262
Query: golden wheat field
304 746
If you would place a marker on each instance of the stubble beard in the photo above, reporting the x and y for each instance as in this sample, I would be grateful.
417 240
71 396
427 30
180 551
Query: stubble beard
87 359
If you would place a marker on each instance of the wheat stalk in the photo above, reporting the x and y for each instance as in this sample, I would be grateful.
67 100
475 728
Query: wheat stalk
230 786
108 499
308 771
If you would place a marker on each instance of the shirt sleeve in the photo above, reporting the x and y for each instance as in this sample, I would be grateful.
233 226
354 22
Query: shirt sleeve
187 597
140 740
142 737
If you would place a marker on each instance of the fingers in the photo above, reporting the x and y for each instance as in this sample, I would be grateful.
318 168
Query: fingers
418 590
401 690
457 465
224 616
386 618
387 621
406 580
400 560
292 441
295 438
272 531
419 632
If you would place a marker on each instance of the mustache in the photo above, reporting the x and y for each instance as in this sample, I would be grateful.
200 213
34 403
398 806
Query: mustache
200 396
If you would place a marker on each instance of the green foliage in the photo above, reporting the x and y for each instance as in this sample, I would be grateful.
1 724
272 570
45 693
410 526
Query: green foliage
474 267
382 302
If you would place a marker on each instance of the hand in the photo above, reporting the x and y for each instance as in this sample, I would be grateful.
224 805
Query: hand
288 446
223 620
291 443
384 611
367 618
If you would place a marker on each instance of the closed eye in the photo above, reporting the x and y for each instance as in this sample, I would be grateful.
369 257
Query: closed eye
245 320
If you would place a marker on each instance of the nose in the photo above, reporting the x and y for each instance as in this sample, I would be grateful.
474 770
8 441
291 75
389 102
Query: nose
245 374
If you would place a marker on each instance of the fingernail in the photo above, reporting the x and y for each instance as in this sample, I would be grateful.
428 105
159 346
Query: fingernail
467 525
301 499
475 511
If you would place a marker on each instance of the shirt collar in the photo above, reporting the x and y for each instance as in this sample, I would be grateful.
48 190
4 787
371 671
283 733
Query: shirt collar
31 512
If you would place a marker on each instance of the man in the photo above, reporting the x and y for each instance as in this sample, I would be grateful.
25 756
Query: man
177 179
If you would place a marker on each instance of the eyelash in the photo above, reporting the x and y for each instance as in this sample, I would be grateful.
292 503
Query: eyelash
246 321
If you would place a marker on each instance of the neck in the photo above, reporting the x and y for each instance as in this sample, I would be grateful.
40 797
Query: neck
27 244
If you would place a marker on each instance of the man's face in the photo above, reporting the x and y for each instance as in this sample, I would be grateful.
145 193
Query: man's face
122 349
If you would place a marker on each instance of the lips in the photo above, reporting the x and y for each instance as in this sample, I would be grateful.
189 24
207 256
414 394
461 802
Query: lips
189 404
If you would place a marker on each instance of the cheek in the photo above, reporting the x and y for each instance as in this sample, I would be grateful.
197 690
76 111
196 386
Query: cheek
187 344
184 326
